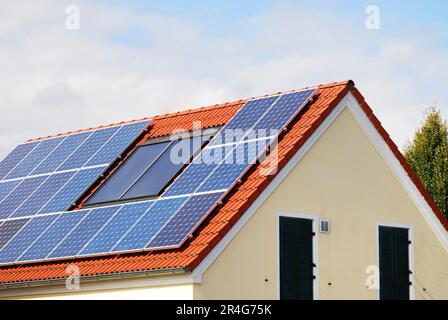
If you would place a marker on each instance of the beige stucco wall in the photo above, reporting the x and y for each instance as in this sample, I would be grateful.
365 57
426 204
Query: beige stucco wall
344 179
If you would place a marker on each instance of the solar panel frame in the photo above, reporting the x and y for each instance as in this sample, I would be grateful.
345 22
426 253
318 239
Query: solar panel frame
129 172
167 144
160 173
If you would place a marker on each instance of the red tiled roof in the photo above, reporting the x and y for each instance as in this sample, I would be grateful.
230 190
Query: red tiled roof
220 222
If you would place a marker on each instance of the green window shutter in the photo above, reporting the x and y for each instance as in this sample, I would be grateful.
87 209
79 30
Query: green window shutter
401 248
394 263
296 258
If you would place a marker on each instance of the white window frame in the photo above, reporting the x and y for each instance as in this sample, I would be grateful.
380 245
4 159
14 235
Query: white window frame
315 227
410 229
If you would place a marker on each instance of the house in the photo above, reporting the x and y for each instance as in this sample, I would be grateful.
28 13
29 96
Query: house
331 209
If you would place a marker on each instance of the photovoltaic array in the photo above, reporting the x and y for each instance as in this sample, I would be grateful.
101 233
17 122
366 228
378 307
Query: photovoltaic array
40 181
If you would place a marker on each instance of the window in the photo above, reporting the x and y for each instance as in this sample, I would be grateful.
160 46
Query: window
394 263
148 170
296 259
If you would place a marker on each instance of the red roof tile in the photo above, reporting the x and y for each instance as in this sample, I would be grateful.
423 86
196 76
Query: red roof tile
243 195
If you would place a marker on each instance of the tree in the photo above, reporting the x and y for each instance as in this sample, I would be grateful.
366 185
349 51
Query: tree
427 154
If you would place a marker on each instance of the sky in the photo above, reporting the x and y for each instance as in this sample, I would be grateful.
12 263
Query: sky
132 59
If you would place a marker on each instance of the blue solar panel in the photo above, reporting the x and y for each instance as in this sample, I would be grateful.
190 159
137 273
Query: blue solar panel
20 194
9 229
185 221
116 228
7 187
17 155
61 153
43 194
155 224
191 178
243 120
42 150
91 146
84 232
154 219
25 238
47 242
118 144
283 111
235 164
72 190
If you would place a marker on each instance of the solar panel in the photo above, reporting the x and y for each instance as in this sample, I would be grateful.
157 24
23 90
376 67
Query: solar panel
149 224
263 124
9 228
83 232
116 228
36 156
7 187
23 239
179 227
235 164
192 177
243 121
88 148
61 153
52 236
70 192
36 184
42 194
282 111
17 155
19 195
33 181
72 163
108 153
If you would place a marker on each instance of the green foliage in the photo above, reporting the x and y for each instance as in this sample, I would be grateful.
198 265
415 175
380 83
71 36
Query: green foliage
428 156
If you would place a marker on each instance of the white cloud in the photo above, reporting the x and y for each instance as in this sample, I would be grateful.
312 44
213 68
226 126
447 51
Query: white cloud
125 64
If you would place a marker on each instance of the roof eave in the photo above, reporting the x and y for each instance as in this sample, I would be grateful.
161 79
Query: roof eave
98 277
